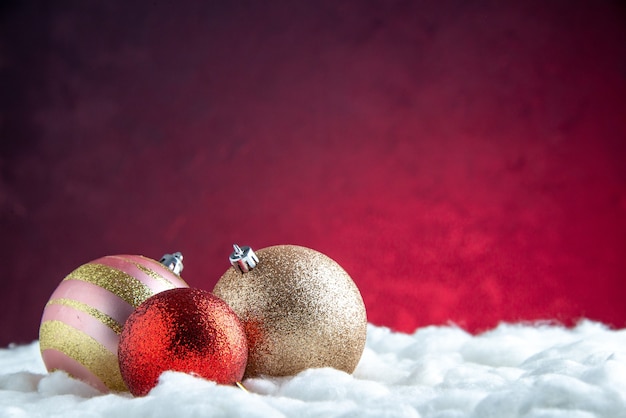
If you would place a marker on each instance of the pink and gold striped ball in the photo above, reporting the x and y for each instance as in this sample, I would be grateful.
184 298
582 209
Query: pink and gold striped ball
83 319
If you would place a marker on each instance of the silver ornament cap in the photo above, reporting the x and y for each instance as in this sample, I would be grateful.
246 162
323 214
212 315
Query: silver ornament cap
173 262
243 258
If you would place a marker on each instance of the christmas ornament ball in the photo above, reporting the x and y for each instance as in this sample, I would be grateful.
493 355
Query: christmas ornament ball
187 330
299 307
82 321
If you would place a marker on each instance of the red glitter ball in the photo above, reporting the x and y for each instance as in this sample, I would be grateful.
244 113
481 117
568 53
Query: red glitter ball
186 330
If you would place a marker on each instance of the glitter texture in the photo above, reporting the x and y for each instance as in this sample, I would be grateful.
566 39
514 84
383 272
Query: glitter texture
153 274
186 330
300 310
84 349
102 317
115 281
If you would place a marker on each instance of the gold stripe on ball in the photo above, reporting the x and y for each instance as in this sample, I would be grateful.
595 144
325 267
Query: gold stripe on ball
115 281
153 274
84 349
91 311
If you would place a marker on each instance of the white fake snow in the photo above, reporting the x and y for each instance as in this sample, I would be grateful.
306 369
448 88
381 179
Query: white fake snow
512 371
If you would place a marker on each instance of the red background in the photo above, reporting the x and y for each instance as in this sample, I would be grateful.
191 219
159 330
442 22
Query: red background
463 161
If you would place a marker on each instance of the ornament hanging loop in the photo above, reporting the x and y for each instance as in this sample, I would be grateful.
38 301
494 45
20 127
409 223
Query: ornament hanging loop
243 258
173 262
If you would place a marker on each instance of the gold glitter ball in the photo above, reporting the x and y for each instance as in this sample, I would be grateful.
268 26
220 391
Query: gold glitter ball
300 310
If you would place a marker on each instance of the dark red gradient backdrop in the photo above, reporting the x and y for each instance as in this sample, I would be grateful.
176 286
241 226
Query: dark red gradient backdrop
463 161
